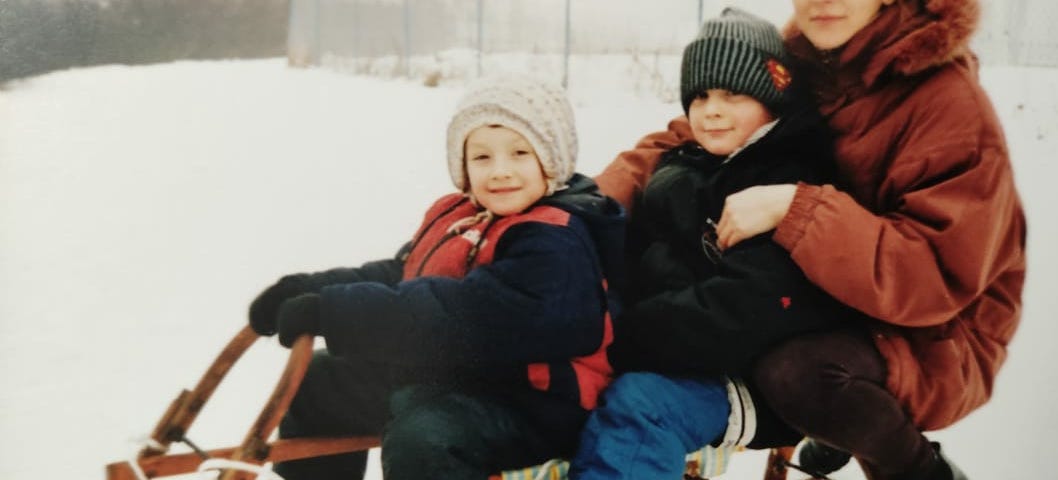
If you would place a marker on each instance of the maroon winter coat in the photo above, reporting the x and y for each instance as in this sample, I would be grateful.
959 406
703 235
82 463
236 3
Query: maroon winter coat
927 232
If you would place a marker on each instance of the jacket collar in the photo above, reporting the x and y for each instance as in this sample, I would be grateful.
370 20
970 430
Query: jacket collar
908 37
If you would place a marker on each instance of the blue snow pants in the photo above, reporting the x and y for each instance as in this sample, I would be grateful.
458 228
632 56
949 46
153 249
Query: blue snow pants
647 423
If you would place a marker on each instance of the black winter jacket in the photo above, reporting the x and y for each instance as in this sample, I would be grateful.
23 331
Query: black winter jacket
693 309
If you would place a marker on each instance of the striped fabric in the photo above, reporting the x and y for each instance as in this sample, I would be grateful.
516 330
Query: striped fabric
733 52
705 463
550 470
709 461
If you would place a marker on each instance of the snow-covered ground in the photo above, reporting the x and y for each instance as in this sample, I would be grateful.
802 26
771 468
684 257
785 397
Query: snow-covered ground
142 208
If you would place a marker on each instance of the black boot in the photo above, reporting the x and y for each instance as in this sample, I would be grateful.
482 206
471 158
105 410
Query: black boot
818 458
945 469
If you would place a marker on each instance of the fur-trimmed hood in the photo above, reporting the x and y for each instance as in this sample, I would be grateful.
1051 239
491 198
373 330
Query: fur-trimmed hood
908 37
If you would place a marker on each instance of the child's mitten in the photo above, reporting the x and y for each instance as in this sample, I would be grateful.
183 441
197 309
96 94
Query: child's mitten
298 316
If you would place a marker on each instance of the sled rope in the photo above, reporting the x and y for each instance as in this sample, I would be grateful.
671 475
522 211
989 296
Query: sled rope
187 441
815 475
135 466
133 460
219 464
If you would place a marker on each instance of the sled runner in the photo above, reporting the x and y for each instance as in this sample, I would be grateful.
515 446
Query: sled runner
244 461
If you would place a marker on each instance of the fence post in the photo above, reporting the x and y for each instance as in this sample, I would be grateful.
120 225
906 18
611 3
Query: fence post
1016 21
407 38
354 48
565 69
292 35
317 44
481 28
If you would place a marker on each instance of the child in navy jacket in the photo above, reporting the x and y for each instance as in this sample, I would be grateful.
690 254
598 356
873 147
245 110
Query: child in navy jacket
482 346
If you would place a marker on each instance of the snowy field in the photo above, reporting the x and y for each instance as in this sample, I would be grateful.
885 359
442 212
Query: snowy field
142 208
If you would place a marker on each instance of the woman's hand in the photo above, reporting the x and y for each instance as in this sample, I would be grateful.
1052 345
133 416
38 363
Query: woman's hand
753 211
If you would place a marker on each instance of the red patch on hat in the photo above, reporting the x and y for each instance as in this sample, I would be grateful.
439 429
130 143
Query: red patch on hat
780 75
785 302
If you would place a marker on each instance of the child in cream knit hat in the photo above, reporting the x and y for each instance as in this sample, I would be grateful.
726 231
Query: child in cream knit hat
536 110
485 337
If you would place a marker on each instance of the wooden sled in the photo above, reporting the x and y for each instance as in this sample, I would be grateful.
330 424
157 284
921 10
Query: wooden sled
154 460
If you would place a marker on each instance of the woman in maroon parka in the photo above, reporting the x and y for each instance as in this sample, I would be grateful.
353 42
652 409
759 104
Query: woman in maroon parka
925 233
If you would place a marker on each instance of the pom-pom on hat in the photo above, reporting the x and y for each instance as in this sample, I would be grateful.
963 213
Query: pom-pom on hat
536 109
740 52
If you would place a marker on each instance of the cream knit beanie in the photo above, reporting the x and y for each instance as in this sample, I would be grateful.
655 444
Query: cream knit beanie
538 110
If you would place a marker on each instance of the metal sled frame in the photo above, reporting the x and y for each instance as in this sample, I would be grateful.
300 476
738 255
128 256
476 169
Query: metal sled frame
155 461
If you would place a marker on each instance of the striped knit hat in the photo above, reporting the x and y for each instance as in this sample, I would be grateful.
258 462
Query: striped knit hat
538 110
740 52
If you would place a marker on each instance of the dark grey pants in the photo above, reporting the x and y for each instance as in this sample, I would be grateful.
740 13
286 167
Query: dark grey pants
831 387
429 429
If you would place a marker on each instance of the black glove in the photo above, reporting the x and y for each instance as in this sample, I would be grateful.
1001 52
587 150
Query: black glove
298 316
264 308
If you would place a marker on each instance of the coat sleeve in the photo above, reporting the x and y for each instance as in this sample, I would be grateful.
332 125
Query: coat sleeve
541 299
387 271
949 221
625 177
720 324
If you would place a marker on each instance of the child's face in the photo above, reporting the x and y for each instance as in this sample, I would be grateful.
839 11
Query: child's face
828 24
722 121
504 172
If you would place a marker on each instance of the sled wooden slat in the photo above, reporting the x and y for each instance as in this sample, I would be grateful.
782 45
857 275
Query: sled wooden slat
185 408
279 451
774 469
255 448
777 461
182 412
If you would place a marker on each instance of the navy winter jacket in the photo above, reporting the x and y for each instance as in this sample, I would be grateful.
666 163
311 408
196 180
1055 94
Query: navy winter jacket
519 300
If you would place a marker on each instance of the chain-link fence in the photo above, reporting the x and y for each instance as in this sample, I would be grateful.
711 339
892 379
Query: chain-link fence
38 36
419 38
1018 32
442 39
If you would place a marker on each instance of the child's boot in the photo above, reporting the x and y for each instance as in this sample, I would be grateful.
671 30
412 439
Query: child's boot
819 458
946 470
939 467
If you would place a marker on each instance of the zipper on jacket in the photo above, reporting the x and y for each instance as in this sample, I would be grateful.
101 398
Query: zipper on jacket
477 245
415 241
710 241
422 265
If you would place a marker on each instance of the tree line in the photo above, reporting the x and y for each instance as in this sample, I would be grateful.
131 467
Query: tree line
39 36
